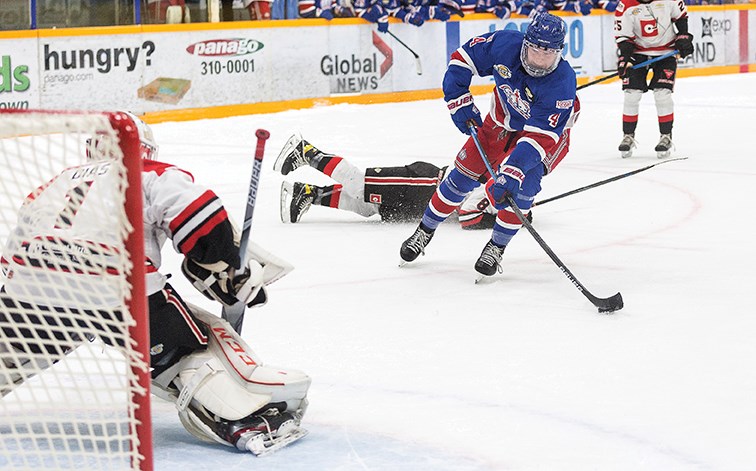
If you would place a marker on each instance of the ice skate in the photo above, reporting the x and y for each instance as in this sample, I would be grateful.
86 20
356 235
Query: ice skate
295 153
627 145
664 147
264 433
296 199
415 245
489 261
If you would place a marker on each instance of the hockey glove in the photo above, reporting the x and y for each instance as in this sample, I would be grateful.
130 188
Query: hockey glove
222 283
624 62
684 44
507 183
464 112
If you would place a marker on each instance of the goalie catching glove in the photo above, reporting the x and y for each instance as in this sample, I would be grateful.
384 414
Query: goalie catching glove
227 285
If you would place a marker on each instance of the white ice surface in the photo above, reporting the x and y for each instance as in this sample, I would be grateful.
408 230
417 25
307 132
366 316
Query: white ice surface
418 368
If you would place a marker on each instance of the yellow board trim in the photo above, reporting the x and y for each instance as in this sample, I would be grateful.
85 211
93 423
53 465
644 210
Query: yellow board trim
191 114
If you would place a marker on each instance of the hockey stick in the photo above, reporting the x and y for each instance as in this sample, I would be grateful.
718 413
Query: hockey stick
613 303
604 182
235 314
636 66
418 65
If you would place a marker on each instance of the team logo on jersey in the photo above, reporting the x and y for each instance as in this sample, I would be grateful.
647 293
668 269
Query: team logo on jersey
669 73
564 104
462 154
375 198
503 70
377 169
649 28
620 6
515 100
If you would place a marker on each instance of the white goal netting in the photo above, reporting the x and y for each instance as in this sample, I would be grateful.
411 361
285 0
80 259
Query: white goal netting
74 378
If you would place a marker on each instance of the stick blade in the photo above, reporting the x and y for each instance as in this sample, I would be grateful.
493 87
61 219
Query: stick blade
611 304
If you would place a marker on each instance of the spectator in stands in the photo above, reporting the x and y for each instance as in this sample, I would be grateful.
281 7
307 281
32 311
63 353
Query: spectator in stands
501 8
168 11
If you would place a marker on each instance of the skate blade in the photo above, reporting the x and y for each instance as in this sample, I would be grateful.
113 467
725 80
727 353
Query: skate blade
626 154
290 145
663 154
259 447
287 189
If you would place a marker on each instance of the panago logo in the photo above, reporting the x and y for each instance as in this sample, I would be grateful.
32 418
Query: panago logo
225 47
515 100
649 28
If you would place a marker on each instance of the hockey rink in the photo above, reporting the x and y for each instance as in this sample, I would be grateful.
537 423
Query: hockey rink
418 368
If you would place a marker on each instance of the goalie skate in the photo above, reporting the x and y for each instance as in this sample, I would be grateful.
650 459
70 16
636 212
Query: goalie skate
627 145
262 445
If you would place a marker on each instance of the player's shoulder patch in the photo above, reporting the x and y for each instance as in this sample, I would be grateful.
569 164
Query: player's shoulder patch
503 70
564 104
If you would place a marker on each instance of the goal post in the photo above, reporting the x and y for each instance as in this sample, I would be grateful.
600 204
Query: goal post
74 329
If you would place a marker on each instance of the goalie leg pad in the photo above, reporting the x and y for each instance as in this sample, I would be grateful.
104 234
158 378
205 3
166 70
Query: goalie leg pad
229 380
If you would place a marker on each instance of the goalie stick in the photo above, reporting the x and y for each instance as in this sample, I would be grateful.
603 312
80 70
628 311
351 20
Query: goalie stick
603 182
636 66
418 65
610 304
235 314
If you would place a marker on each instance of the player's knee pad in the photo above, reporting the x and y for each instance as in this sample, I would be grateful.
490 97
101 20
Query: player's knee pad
632 99
664 104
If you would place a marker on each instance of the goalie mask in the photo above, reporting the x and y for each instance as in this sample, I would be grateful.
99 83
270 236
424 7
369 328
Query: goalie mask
98 147
542 47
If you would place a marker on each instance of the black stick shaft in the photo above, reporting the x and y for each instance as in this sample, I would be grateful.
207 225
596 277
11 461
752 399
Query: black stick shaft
235 314
610 304
603 182
636 66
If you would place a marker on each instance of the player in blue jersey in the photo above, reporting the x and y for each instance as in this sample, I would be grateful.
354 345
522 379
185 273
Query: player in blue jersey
525 134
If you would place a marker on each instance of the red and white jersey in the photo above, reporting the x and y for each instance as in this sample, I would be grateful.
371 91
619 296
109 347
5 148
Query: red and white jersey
192 216
649 26
64 238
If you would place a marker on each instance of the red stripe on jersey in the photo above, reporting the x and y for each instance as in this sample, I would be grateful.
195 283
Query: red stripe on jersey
400 181
666 47
667 119
188 244
627 118
190 210
457 56
331 165
160 167
470 222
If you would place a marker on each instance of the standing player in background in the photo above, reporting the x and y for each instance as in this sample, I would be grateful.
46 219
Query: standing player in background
398 194
525 134
228 395
645 29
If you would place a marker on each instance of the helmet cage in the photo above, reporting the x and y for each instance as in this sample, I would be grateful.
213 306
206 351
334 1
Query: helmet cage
539 61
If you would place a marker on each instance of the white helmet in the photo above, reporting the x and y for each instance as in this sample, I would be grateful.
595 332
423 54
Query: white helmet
98 146
147 148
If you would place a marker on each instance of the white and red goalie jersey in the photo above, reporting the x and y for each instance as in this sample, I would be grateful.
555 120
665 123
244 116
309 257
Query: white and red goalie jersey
64 239
648 26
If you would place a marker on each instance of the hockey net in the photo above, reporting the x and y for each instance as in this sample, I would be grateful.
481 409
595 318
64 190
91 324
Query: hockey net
74 363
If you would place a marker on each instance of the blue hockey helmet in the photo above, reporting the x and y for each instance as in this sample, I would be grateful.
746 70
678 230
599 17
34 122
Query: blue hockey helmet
543 44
